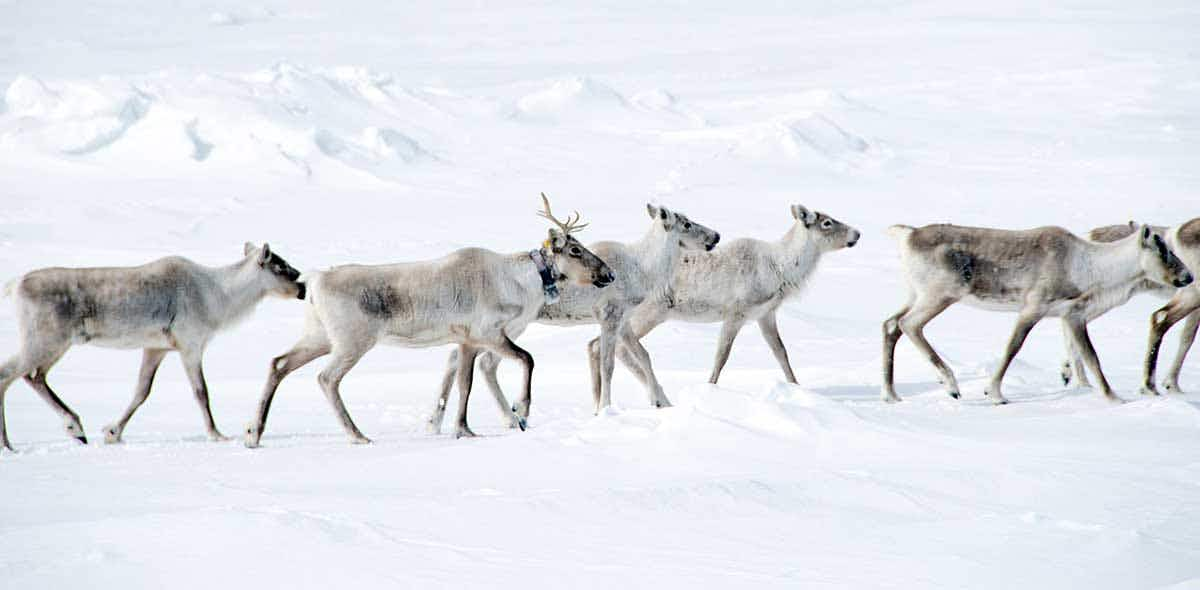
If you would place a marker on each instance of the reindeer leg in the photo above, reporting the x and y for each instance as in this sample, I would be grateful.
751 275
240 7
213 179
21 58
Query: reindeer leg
312 346
643 322
729 331
770 333
1083 343
593 354
193 366
466 374
1186 338
516 415
610 323
629 343
489 365
891 335
1072 369
330 379
9 373
37 380
913 326
434 424
1025 322
151 359
1179 307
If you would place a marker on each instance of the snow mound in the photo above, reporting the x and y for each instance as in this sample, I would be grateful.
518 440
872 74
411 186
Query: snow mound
585 102
282 119
238 18
71 119
809 137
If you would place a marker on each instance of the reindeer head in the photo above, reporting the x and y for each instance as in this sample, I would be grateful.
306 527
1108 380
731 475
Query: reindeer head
691 235
1159 262
571 258
281 279
825 231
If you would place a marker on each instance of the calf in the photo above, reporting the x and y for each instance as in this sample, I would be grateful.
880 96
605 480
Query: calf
745 281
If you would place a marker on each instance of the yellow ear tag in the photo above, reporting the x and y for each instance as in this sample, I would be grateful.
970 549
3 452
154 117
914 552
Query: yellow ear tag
546 245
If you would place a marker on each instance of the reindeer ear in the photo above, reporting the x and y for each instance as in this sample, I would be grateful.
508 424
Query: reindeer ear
265 254
652 211
668 218
803 215
247 248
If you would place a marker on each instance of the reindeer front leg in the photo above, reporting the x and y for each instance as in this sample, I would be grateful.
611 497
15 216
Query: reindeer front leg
192 365
1025 322
610 323
1186 338
770 331
729 331
1083 343
434 424
1180 306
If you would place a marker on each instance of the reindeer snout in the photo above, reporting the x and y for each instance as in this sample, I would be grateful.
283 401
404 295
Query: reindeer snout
301 290
854 236
605 279
713 243
1184 280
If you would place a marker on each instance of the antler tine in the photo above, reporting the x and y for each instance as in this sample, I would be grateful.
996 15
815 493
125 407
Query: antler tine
571 225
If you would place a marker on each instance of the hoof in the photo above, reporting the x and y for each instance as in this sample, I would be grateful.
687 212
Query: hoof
1148 390
251 437
112 436
955 395
663 403
891 398
1171 387
360 440
463 432
82 439
996 398
217 437
1114 400
522 424
521 410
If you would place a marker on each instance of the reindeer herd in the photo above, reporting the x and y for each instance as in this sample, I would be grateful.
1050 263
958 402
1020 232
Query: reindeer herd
481 301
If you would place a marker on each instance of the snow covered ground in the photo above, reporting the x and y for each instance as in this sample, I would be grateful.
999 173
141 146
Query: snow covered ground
369 131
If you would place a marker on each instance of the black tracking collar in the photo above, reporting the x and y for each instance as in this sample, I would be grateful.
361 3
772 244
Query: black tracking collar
549 277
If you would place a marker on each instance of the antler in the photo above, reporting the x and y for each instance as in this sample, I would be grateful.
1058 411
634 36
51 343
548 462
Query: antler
572 224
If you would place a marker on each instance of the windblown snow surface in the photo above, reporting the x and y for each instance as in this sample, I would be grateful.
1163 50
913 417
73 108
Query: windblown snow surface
378 131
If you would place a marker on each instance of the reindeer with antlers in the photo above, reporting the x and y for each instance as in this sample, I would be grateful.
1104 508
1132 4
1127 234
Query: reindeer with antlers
475 298
643 272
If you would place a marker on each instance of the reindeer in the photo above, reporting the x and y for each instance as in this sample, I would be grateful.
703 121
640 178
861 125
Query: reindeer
1038 273
643 270
745 280
1184 241
474 298
169 304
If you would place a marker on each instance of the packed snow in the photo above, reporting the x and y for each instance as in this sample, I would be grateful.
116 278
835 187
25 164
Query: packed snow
368 131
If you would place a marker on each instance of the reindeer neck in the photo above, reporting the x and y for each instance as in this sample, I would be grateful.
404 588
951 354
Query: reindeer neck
1113 265
797 256
658 252
240 287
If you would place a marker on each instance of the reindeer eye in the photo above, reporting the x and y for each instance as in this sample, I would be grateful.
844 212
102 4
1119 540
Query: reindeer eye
687 225
826 224
575 251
